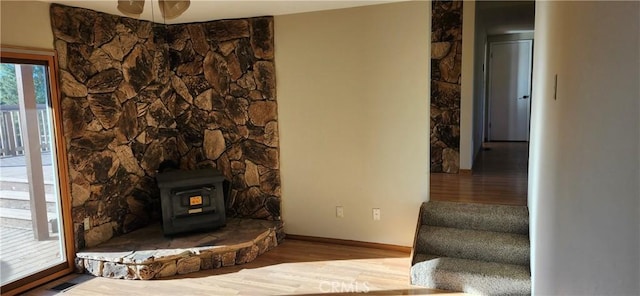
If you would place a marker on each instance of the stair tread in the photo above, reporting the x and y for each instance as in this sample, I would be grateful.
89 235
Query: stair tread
499 218
474 244
23 195
475 266
20 214
470 276
483 233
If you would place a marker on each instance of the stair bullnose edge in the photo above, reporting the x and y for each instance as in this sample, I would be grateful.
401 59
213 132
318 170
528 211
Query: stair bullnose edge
488 217
470 276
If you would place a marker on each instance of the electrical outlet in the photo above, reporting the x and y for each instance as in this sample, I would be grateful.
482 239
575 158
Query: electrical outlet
376 214
339 212
87 223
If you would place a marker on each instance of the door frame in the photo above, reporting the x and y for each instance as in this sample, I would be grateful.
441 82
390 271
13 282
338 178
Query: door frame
48 58
495 39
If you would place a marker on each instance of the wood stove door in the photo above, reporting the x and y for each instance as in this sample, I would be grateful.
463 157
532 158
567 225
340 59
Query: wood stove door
193 201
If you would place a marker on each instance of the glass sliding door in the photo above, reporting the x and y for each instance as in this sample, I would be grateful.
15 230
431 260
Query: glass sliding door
35 242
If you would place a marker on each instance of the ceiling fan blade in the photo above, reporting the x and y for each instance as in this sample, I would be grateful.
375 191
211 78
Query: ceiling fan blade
131 8
173 9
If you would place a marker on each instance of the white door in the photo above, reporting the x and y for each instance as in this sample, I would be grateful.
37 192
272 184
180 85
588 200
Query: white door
510 90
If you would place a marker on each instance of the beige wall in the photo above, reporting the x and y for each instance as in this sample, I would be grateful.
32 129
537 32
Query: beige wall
467 145
353 103
584 194
353 92
479 82
25 24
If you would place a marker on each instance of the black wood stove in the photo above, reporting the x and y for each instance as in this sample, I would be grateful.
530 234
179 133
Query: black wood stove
191 200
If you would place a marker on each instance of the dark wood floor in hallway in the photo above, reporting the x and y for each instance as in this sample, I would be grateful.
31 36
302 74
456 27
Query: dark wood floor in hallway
499 177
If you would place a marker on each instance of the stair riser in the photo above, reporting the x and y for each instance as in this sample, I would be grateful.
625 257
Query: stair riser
510 219
470 283
471 276
23 205
475 245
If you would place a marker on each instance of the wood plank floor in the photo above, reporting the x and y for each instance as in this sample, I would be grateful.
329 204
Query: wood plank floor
499 177
293 268
313 268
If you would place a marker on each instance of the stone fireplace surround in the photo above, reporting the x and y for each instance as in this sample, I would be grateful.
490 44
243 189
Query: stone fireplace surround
136 93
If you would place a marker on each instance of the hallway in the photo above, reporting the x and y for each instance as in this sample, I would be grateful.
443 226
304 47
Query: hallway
499 177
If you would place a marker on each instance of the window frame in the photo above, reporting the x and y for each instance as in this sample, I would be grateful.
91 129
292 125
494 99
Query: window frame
48 58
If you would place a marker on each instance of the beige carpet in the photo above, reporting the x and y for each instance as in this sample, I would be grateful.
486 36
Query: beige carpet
474 248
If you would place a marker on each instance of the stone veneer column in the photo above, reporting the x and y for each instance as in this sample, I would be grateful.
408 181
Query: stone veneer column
446 64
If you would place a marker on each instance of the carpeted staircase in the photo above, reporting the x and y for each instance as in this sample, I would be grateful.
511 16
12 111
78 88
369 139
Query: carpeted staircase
474 248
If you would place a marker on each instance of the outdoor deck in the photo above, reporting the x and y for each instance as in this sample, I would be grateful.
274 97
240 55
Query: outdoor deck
21 253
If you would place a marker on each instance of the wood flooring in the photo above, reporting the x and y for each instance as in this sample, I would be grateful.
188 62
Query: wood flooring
315 268
499 176
293 268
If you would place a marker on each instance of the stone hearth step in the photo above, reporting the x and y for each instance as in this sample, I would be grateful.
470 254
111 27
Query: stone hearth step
146 253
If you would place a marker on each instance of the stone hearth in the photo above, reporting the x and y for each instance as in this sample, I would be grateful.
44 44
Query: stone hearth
146 254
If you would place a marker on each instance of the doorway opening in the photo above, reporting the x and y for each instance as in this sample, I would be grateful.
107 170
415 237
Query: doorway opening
494 151
36 234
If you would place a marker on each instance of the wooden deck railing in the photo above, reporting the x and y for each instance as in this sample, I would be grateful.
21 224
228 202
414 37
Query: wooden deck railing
11 142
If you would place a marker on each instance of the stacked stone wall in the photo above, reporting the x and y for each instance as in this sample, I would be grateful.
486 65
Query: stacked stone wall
446 65
136 93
